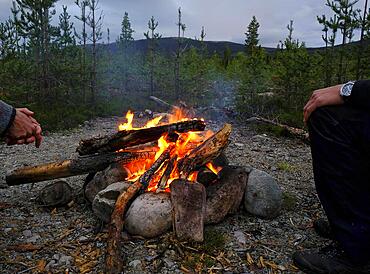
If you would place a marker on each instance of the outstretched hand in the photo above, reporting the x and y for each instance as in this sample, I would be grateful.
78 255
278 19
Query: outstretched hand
25 129
322 97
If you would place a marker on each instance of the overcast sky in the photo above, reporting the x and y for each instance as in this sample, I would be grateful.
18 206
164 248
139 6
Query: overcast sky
224 20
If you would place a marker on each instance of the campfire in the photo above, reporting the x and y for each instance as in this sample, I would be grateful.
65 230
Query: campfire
164 156
179 145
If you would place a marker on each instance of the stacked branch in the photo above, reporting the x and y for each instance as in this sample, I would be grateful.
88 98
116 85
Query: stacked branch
129 138
73 167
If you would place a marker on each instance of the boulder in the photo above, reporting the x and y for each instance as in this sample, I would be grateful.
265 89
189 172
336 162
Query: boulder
112 174
263 196
105 200
56 194
226 194
149 215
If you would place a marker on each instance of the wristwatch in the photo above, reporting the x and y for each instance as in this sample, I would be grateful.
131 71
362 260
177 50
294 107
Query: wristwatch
346 90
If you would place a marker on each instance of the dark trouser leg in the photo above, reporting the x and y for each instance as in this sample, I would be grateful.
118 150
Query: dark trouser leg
340 144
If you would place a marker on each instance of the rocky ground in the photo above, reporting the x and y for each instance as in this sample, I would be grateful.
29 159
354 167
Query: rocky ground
71 240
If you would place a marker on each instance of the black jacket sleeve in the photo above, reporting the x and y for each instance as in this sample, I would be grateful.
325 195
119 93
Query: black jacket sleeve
360 96
7 114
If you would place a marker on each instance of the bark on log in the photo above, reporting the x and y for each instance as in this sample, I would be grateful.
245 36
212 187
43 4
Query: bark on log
291 131
72 167
113 261
189 206
206 152
128 138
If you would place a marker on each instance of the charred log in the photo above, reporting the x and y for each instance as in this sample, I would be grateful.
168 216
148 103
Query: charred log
205 152
128 138
72 167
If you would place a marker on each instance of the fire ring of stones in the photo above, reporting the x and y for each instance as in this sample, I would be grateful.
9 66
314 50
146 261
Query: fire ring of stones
165 174
150 214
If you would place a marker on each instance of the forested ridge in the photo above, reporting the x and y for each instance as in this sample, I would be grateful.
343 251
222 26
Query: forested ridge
67 74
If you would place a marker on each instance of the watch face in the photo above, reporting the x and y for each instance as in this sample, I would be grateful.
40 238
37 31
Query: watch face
346 89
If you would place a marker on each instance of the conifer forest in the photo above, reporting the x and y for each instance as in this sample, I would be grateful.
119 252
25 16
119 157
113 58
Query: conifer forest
68 71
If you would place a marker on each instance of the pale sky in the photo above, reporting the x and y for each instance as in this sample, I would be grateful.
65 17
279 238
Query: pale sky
224 20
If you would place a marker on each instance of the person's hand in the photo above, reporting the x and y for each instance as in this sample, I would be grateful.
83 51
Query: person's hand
322 97
24 129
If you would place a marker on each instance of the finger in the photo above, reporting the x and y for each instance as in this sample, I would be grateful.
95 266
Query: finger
27 111
30 140
38 130
34 121
21 141
38 140
309 112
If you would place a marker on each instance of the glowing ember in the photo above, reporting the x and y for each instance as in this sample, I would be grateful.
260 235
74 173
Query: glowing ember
183 144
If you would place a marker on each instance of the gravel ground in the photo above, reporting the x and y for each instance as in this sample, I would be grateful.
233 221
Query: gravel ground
71 240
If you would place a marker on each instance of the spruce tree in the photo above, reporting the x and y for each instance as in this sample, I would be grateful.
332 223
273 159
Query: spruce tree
347 16
180 27
66 29
125 40
251 41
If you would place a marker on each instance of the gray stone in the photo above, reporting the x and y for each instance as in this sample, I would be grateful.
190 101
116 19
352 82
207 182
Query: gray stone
113 174
103 203
240 237
136 264
27 233
65 260
263 196
34 238
149 215
56 194
225 196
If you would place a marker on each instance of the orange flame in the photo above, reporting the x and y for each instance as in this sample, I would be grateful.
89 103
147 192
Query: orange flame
184 144
213 168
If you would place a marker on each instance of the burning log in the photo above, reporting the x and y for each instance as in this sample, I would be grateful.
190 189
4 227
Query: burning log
291 131
189 206
72 167
167 173
113 261
206 152
128 138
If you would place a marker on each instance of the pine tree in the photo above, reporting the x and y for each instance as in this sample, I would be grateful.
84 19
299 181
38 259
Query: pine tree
66 27
83 4
125 40
95 22
180 27
152 37
365 26
35 23
251 41
347 17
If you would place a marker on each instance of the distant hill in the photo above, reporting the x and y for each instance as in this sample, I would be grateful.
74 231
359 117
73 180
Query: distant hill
169 45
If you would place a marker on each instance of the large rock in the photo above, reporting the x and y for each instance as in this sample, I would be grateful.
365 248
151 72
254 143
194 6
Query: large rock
225 195
263 196
56 194
112 174
105 200
149 215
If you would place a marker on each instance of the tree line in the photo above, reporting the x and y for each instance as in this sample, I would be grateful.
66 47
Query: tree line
67 74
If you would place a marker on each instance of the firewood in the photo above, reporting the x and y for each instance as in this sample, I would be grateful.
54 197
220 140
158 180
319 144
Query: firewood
128 138
113 262
205 152
189 206
72 167
291 131
166 175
